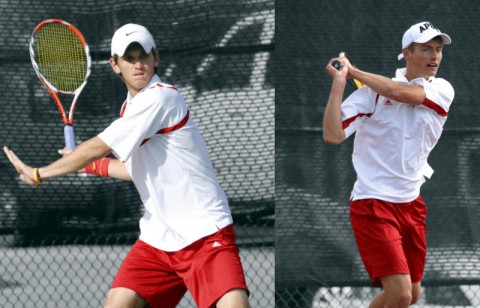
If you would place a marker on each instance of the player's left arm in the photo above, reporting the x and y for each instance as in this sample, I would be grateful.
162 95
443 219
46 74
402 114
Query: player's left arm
83 155
397 91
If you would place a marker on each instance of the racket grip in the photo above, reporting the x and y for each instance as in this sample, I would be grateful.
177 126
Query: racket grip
337 65
69 137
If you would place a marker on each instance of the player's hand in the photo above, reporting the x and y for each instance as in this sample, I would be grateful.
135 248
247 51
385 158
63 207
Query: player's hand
64 151
334 72
25 171
349 66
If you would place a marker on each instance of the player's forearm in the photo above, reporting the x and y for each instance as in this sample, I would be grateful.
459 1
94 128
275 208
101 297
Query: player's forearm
83 155
117 169
333 132
400 92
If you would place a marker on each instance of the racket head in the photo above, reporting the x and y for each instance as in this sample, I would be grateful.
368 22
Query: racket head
60 56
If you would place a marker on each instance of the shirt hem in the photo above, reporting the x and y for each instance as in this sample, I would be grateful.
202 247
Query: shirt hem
355 197
171 247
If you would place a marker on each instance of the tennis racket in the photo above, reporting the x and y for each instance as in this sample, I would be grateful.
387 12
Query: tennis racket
61 59
357 84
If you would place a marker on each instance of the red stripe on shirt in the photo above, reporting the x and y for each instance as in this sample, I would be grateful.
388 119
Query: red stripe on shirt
439 110
160 85
171 128
349 121
122 111
124 106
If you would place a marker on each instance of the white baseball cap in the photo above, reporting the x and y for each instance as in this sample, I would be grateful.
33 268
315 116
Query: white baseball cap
422 33
131 33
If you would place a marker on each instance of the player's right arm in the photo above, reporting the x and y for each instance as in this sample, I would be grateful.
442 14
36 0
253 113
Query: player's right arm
333 132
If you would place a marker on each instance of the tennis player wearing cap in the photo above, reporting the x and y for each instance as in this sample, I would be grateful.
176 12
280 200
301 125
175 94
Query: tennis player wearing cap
187 240
397 124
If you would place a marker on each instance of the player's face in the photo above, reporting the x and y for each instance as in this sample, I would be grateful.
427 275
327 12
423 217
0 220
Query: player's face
136 67
425 59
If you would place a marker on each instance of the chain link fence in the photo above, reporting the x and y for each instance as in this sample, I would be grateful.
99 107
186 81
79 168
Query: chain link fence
317 262
62 242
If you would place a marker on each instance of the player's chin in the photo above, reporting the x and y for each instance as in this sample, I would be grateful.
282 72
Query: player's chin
431 71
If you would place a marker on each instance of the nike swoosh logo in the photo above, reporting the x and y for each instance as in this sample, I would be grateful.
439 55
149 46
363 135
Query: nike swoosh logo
127 34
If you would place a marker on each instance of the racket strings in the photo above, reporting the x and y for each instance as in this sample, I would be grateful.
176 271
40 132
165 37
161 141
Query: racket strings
61 57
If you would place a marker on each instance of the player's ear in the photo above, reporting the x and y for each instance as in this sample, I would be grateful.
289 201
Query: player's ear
406 53
114 65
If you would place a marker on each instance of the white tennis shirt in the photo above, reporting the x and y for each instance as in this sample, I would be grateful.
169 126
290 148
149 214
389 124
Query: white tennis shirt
168 161
393 140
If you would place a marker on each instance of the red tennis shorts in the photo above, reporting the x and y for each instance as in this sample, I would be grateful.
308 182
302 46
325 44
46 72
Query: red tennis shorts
391 237
208 268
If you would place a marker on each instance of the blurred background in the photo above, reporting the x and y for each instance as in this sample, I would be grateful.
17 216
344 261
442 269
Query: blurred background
317 263
62 242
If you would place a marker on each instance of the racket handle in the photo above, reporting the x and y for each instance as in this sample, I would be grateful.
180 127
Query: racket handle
337 65
69 137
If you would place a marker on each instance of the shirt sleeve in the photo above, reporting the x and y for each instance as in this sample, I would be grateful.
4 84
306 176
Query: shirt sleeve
148 113
439 95
359 106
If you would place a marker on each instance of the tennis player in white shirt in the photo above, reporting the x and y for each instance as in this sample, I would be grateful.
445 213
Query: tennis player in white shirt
397 122
187 239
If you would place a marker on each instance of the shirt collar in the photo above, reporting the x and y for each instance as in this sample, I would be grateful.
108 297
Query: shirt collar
400 76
